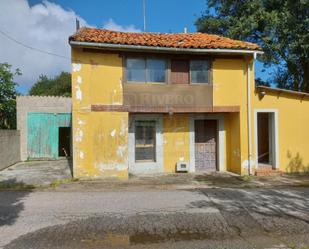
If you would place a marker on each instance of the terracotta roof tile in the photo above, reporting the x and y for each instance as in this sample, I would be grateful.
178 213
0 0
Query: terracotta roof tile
176 40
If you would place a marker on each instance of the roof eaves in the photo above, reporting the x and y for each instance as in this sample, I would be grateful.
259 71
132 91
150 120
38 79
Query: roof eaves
280 90
113 46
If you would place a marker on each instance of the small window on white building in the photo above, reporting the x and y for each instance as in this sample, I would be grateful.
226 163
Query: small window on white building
145 141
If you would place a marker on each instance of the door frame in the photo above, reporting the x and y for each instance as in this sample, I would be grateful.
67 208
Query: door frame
146 167
220 139
274 136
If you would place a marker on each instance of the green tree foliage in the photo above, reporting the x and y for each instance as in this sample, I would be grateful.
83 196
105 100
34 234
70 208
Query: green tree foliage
7 96
57 86
280 27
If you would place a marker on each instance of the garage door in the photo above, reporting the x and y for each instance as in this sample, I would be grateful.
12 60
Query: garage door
43 134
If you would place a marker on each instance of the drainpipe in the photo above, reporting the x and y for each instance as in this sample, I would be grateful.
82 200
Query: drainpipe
249 114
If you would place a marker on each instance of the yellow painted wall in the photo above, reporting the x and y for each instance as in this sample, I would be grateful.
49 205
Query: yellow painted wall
102 150
229 80
176 140
230 89
233 153
99 138
293 121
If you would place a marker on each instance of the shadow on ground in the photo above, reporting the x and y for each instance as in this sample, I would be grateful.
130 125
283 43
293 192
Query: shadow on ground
222 180
11 194
252 218
226 180
281 211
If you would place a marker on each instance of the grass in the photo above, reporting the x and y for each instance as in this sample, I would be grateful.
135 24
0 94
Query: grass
57 183
247 178
12 185
295 247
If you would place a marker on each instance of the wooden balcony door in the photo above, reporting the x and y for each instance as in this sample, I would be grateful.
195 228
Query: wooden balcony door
205 145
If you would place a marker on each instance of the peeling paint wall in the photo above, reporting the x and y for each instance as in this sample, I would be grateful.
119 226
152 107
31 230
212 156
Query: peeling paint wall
99 138
176 140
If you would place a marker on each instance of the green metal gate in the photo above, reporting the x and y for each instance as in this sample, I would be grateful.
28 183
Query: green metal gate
43 133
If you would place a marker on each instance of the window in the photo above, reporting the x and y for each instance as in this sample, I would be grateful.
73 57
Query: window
145 141
183 71
180 71
146 70
136 70
199 71
155 70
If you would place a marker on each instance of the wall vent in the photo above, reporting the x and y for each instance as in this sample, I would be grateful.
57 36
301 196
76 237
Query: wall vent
182 167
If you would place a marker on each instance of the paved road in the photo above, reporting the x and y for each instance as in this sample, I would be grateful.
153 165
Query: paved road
196 218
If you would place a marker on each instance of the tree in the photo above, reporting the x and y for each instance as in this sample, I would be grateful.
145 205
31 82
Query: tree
280 27
60 85
7 96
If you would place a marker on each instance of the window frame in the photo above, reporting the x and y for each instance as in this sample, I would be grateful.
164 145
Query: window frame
146 167
145 58
168 58
209 72
154 144
170 77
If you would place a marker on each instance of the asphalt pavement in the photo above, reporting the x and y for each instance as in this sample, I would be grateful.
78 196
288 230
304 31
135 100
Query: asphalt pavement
150 218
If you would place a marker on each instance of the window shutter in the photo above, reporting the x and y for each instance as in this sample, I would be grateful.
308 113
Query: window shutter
180 71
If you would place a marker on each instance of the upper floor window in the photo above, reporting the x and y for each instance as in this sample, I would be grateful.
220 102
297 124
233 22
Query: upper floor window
180 71
154 70
136 70
189 71
146 70
199 71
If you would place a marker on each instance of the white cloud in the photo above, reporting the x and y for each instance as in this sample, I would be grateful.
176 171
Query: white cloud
44 26
111 25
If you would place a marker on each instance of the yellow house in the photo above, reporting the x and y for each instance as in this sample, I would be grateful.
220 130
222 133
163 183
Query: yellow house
146 103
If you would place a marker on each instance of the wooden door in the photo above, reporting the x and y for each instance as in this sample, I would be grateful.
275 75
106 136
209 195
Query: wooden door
205 145
43 134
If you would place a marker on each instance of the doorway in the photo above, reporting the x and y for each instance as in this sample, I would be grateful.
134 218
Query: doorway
266 139
145 144
205 136
64 142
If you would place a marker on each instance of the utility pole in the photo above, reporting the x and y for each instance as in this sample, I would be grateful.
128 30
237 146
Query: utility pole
144 14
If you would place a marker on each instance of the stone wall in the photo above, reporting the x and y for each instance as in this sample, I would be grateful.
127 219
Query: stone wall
47 104
9 147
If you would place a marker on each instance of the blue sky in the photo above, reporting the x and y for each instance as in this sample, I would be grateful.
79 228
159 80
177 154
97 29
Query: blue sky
46 25
162 15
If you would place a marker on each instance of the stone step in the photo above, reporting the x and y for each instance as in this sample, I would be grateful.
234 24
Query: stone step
268 172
